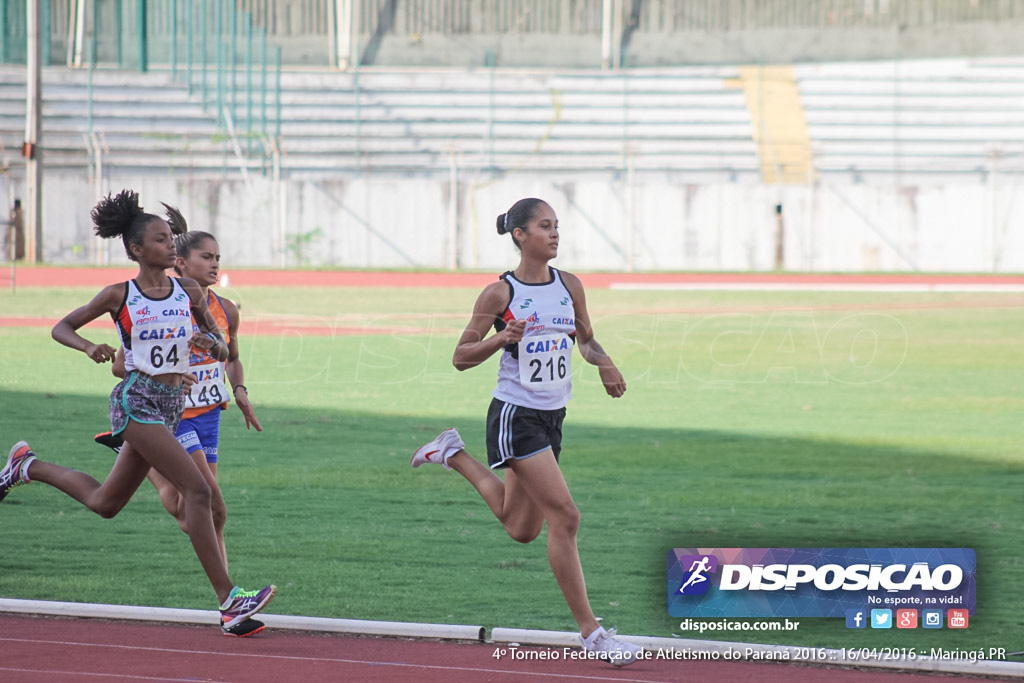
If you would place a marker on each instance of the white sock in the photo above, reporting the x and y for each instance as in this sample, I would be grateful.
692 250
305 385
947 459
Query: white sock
24 469
589 640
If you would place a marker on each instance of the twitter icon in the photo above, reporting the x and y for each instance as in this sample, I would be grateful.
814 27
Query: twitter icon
881 618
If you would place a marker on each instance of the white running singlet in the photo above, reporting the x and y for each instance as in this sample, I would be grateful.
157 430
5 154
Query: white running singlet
155 333
537 372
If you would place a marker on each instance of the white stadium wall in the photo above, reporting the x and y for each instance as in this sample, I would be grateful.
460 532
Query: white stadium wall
653 223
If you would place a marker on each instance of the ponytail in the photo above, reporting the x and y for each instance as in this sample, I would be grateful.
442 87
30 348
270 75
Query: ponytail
184 241
121 216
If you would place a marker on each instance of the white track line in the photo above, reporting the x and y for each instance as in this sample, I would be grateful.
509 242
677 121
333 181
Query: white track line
211 618
812 286
767 653
77 675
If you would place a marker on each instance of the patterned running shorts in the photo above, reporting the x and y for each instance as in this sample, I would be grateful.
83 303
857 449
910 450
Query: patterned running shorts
143 399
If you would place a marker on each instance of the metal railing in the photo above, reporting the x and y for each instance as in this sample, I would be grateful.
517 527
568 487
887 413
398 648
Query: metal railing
719 16
216 49
14 31
136 33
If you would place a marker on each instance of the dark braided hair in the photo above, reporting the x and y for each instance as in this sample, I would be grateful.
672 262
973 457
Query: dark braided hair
518 216
184 241
121 216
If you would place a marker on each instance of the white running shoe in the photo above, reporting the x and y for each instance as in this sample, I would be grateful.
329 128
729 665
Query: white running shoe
15 472
447 444
609 648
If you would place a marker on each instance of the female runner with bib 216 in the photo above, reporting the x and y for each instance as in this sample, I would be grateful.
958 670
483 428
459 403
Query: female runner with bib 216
539 314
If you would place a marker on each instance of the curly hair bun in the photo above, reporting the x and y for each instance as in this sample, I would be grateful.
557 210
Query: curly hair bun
113 215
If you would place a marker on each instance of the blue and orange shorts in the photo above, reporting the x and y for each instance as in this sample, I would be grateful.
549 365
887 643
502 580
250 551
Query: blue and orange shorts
201 432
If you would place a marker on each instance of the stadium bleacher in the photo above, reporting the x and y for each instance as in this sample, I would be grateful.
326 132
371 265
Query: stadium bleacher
929 117
923 117
678 121
137 120
408 121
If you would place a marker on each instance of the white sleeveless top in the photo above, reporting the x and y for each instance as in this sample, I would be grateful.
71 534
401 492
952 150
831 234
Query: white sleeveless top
537 372
155 333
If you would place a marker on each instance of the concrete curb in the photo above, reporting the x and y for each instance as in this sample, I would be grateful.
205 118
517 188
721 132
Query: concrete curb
660 648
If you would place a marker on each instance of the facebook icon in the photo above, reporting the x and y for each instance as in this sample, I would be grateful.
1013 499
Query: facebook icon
856 618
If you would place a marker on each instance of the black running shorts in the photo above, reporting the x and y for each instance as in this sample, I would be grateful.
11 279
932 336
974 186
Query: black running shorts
515 432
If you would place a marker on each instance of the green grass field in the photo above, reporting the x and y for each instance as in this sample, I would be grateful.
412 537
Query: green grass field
751 420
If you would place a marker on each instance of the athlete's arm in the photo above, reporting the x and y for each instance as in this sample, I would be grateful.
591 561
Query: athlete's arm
236 374
474 346
66 331
216 346
591 351
117 367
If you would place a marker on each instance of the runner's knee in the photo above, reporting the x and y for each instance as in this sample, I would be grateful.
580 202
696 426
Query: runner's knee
220 512
523 534
198 493
565 519
108 509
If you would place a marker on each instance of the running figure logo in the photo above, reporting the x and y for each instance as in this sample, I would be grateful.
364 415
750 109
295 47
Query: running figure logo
695 581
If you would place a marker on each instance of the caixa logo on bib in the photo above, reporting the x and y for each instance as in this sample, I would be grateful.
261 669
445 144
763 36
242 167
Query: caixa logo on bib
816 582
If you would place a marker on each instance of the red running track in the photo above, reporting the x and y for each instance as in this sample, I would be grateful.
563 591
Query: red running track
57 276
59 650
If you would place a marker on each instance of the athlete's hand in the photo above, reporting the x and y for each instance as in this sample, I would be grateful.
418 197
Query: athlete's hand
100 353
201 341
242 399
514 331
188 379
614 382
